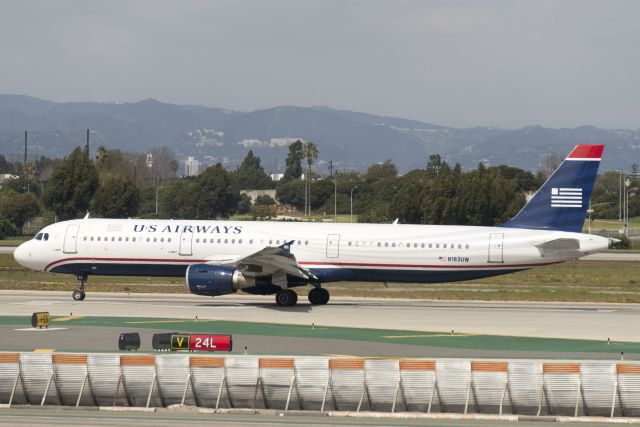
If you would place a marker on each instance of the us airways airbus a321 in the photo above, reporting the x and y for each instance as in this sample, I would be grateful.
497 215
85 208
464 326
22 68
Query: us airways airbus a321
222 257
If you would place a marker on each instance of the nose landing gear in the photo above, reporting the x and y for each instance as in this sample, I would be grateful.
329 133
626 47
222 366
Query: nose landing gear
79 294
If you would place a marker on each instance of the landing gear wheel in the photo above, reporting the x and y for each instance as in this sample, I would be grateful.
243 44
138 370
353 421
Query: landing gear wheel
79 294
318 296
286 297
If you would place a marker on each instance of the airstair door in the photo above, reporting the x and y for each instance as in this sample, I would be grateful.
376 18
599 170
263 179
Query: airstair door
333 246
496 247
70 240
186 243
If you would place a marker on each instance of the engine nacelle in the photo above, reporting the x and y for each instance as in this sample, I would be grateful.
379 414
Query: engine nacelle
213 280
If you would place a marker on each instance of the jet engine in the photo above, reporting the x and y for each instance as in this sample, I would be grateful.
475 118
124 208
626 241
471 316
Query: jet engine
213 280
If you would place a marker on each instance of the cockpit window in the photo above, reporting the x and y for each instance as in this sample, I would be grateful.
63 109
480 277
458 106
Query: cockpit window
38 236
45 237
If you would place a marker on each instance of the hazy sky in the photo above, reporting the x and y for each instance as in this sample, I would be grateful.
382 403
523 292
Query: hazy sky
461 63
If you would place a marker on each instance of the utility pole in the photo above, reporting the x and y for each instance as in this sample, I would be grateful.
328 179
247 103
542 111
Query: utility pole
87 146
24 164
334 174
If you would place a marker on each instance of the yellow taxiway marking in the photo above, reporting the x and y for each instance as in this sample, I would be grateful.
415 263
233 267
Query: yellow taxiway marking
173 321
427 336
64 319
43 350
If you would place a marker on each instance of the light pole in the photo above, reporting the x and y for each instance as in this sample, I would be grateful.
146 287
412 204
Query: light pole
627 184
620 173
352 190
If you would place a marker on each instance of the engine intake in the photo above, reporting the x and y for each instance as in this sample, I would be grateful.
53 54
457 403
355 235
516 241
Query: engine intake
212 280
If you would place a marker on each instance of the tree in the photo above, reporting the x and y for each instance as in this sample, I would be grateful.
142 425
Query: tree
293 162
5 166
7 229
251 175
382 170
18 207
309 153
434 164
117 197
265 200
178 199
216 193
549 164
244 204
72 185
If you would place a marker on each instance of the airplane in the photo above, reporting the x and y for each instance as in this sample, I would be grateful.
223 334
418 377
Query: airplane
266 258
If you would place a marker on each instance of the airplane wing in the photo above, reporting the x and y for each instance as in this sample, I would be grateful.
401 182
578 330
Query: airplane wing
271 260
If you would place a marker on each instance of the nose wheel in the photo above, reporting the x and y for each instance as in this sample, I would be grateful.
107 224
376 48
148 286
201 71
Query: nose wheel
79 294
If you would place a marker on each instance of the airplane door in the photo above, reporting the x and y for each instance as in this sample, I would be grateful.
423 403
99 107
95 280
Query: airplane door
333 246
496 247
186 243
70 239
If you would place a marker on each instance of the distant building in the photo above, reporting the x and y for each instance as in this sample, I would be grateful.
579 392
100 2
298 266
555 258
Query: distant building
276 176
191 166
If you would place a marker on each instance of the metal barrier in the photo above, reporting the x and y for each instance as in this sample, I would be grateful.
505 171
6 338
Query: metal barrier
522 387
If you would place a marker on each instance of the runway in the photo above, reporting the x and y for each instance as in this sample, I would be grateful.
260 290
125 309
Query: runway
546 320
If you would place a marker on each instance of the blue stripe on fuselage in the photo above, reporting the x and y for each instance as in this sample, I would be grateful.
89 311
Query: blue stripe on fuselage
325 275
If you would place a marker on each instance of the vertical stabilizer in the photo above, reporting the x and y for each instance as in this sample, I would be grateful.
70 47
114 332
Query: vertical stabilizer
562 201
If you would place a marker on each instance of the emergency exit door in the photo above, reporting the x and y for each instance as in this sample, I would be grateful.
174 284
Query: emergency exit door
186 243
496 249
333 246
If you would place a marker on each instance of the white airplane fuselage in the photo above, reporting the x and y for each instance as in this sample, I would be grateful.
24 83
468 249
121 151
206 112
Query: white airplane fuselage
333 252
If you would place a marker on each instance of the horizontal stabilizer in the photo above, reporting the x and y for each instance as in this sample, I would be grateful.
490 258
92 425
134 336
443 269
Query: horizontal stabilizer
559 246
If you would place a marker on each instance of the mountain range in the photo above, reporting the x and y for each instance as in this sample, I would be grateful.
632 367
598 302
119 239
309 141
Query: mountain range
354 140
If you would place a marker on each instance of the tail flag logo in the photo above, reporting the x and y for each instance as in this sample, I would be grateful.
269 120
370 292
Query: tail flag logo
566 197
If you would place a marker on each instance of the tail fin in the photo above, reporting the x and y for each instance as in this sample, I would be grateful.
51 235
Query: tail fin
562 201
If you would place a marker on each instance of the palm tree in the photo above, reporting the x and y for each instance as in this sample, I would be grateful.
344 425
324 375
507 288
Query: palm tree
309 153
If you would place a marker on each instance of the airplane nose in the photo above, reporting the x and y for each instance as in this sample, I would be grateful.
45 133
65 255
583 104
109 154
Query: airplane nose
22 254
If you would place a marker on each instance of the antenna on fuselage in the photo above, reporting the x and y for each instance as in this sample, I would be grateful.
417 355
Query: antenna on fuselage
86 216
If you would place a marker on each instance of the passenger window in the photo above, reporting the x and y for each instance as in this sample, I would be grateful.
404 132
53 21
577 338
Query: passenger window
422 245
126 239
85 238
91 238
119 239
299 242
162 239
270 242
437 245
197 240
169 240
386 244
306 242
233 241
98 238
155 239
467 246
459 246
148 239
251 242
349 244
239 241
133 239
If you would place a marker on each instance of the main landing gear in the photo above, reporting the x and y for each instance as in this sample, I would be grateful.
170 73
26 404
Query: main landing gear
288 298
318 296
79 294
